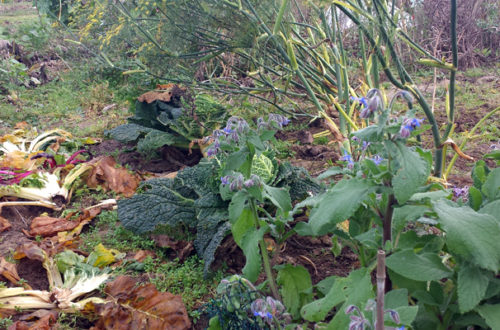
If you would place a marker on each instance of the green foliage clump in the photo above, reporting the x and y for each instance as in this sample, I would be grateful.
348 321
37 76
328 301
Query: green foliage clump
170 123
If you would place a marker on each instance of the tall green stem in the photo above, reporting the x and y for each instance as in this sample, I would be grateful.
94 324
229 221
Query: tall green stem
454 52
263 250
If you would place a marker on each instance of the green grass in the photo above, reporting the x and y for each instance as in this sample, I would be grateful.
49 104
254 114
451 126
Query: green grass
184 278
69 103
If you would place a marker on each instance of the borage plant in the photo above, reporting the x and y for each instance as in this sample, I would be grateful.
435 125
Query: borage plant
442 255
246 174
381 175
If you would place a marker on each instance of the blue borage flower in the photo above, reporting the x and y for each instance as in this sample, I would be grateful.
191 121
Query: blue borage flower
267 309
348 158
236 126
371 102
377 159
408 126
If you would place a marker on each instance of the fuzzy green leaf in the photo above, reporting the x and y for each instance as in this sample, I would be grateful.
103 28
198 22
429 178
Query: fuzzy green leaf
471 235
250 247
412 173
338 204
296 288
279 197
418 267
472 285
491 187
491 314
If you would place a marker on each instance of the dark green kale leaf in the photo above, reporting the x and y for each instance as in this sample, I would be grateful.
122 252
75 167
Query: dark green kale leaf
158 203
161 123
298 180
191 199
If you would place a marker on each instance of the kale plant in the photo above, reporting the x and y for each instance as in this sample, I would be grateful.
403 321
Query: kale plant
197 200
175 123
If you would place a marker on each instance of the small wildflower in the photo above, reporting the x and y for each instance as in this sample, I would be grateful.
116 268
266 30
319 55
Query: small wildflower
211 152
362 101
365 145
495 146
274 121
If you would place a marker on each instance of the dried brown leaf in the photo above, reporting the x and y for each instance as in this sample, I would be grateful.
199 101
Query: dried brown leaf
30 251
107 175
140 307
49 226
9 271
143 254
4 224
182 248
44 323
150 97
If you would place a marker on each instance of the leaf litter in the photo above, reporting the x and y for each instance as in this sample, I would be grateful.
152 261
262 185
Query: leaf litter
25 153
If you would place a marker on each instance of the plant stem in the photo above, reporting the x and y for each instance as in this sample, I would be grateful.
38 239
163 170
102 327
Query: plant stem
387 221
387 235
381 278
263 250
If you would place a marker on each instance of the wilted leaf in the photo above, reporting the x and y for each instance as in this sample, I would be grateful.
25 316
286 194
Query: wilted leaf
107 175
140 307
30 251
143 254
44 323
101 256
48 226
4 224
19 159
150 97
9 271
181 248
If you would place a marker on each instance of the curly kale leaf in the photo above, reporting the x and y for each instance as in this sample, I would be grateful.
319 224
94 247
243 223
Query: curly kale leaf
191 199
161 123
158 203
298 180
128 132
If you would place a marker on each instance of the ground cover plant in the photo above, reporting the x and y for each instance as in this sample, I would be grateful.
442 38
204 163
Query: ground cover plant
248 164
